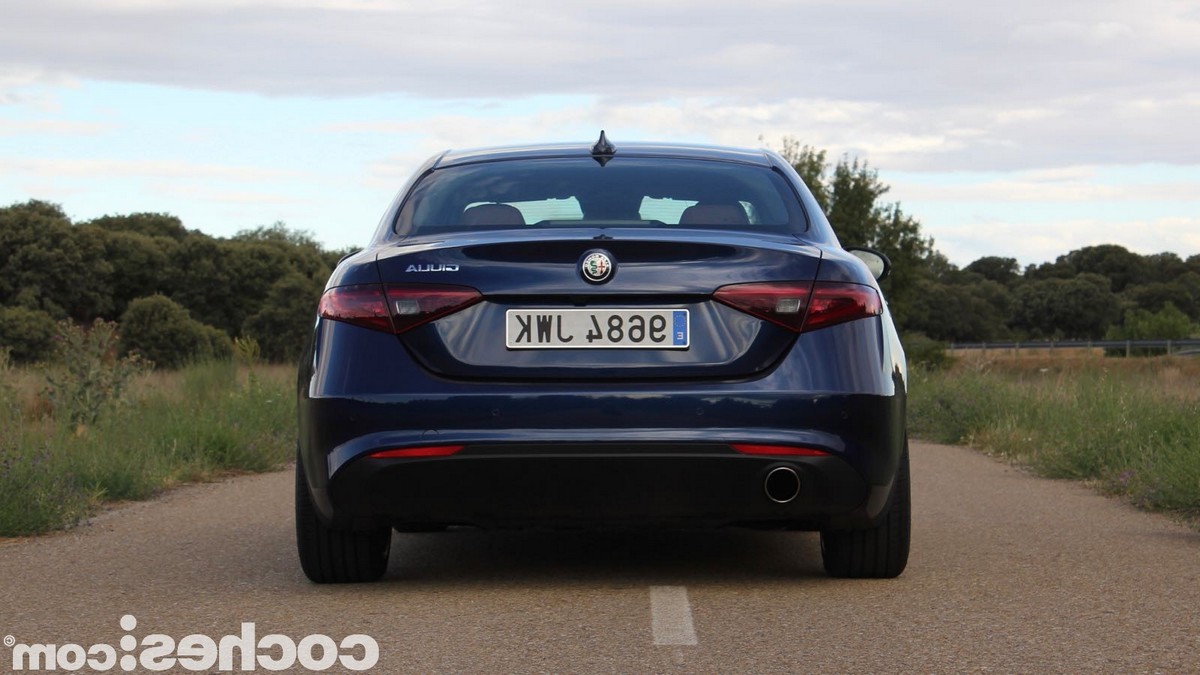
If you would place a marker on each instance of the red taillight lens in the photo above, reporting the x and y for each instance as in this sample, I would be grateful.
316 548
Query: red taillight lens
394 308
834 303
780 303
360 305
792 450
803 306
426 451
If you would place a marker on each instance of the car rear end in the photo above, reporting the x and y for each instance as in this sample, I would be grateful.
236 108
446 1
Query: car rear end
657 340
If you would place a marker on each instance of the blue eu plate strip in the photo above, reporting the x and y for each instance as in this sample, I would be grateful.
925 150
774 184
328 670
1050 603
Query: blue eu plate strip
679 330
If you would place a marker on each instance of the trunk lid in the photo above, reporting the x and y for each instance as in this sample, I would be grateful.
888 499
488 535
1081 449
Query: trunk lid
533 289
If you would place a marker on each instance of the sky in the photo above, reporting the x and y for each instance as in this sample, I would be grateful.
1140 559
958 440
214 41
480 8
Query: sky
1023 129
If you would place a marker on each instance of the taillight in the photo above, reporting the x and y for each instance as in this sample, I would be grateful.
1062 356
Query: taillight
414 305
424 451
774 450
394 308
360 305
803 306
834 303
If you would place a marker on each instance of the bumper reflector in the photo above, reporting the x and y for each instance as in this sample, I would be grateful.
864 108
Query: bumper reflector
792 450
426 451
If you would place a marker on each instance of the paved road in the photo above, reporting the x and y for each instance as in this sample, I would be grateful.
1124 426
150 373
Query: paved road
1009 573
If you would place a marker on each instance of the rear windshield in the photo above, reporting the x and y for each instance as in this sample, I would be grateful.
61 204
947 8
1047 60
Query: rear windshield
579 192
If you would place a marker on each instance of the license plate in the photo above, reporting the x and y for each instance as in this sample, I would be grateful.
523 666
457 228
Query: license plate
596 329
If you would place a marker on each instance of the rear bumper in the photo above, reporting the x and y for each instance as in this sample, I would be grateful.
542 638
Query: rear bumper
595 486
567 453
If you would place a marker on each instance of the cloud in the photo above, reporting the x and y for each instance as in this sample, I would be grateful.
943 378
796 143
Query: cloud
941 51
1031 242
1031 101
1075 184
204 192
52 127
29 86
109 168
1060 134
1057 32
926 86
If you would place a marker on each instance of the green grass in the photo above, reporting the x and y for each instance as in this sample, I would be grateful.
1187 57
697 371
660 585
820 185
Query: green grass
1128 426
201 423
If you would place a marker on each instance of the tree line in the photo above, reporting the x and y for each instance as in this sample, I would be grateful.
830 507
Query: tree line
178 294
1095 292
182 295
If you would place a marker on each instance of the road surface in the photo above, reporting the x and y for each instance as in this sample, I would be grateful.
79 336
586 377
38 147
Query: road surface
1009 573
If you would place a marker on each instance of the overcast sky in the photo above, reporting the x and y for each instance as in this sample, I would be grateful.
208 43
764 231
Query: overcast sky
1024 128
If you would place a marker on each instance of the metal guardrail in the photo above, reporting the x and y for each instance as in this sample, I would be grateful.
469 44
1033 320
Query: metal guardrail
1191 346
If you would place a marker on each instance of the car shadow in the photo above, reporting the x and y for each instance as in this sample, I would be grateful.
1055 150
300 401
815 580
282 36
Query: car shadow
535 558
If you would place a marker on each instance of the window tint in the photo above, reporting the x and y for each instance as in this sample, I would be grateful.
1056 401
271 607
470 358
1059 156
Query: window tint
579 192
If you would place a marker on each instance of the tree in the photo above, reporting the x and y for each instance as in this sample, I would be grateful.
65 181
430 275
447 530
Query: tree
28 333
201 276
147 224
1153 297
280 233
98 269
139 266
851 198
22 226
1079 308
1169 323
960 312
1163 267
47 264
1004 271
811 165
283 325
1049 270
1121 266
298 249
161 330
223 282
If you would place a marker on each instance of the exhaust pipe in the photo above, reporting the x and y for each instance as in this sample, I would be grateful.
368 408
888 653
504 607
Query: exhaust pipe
782 484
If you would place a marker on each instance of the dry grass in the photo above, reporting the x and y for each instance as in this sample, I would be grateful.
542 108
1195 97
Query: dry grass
1130 426
1170 377
196 424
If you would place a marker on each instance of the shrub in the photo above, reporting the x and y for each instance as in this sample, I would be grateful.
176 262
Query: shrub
1168 323
161 330
283 326
925 352
218 346
246 351
27 333
89 376
8 397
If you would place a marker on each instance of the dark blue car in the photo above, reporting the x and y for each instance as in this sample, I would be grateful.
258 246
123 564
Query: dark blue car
600 336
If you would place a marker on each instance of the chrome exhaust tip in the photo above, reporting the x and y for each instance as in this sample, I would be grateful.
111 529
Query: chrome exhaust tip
782 484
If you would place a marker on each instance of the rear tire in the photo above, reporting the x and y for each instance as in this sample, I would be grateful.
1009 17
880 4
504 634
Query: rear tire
333 556
879 552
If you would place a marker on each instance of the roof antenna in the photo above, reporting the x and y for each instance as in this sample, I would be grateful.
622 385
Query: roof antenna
603 150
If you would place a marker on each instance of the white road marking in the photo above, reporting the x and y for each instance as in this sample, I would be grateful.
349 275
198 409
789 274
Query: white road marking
671 616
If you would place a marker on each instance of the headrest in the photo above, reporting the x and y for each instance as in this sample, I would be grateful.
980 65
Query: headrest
714 214
492 214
